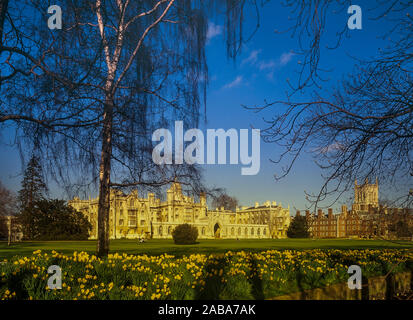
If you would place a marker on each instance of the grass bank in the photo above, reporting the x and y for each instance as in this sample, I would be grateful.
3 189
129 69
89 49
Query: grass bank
157 247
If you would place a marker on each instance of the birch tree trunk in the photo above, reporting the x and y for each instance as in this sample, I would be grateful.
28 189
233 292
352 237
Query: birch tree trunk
104 180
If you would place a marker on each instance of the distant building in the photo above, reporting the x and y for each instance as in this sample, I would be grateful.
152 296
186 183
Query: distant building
366 219
133 217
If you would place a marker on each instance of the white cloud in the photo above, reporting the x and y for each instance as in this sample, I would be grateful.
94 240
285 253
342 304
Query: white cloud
252 58
265 65
235 83
213 30
286 57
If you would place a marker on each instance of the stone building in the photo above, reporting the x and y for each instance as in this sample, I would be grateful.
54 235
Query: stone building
365 219
132 217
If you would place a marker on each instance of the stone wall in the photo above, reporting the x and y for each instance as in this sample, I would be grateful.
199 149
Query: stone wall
375 288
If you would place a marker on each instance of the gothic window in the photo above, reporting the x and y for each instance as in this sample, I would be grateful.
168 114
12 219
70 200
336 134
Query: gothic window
132 221
132 218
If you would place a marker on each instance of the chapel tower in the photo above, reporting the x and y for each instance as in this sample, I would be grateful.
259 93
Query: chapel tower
365 195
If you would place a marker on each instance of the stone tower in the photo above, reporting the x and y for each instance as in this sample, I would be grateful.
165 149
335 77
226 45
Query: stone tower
366 195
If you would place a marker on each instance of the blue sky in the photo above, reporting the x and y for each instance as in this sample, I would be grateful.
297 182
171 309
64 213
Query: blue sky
259 72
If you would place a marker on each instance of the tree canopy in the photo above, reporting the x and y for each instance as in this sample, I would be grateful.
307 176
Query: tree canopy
53 220
225 201
298 228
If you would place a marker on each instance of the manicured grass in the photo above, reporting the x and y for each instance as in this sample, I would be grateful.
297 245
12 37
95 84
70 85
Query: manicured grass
156 247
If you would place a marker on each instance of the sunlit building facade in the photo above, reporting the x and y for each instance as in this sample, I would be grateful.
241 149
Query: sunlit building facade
133 217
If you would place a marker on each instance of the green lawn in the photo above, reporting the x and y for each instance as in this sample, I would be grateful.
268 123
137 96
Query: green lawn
155 247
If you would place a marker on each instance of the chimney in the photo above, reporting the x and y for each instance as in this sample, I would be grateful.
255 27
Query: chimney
330 212
297 214
256 204
307 213
319 212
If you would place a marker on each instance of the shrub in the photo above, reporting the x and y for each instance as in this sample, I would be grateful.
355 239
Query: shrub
185 234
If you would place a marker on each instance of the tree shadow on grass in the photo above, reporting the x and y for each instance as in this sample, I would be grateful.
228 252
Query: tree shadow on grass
214 285
302 292
256 281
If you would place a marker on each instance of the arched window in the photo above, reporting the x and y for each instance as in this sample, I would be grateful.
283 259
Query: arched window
232 231
239 231
258 232
169 230
160 230
264 231
252 231
203 231
246 231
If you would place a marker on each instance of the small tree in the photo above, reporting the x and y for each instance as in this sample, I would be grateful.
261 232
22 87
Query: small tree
33 186
298 228
226 201
53 220
185 234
